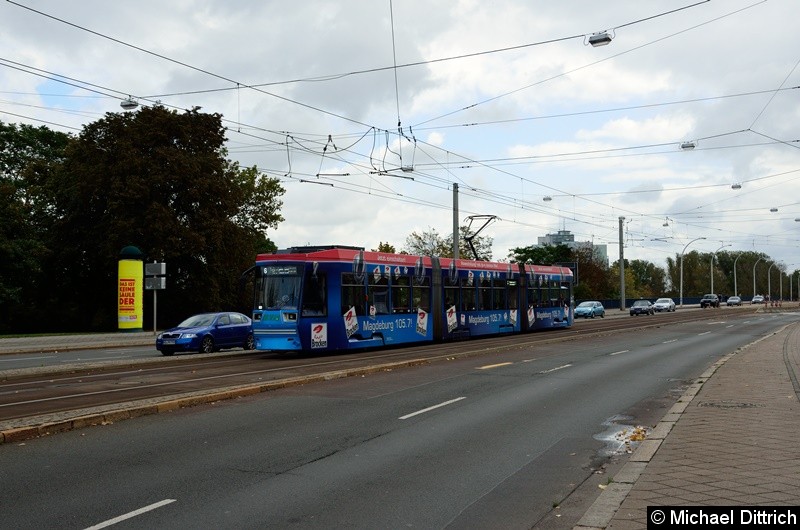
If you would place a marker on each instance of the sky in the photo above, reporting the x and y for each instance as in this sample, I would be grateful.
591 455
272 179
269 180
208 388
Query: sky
369 111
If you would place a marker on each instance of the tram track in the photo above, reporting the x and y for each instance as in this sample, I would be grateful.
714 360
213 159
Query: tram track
82 388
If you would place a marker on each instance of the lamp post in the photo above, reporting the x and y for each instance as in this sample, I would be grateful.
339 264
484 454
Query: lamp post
714 255
769 282
735 287
754 276
682 252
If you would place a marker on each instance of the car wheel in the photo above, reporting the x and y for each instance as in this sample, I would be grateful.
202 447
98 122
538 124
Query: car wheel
249 343
592 314
207 346
602 315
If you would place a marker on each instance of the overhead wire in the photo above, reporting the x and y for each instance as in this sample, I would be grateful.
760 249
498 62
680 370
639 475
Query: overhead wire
221 77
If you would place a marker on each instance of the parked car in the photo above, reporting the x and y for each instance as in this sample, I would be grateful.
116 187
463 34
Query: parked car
590 309
642 307
757 299
664 304
734 300
207 332
709 300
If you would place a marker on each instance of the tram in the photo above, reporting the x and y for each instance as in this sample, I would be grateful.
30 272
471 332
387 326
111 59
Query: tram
338 297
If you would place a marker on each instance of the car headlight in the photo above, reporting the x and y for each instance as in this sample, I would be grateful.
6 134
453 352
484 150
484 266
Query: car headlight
189 335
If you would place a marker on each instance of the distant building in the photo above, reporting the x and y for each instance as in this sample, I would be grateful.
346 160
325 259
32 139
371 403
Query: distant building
565 237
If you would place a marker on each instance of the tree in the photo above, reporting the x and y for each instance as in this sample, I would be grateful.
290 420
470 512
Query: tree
593 275
22 248
482 244
541 254
649 280
430 243
158 180
385 247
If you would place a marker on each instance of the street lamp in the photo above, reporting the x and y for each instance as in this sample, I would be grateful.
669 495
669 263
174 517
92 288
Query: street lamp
769 282
682 252
713 255
754 276
129 104
735 287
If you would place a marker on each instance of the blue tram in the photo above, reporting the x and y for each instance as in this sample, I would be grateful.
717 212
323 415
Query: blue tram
335 298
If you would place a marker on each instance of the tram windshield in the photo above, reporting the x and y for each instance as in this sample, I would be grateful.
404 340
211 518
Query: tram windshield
278 287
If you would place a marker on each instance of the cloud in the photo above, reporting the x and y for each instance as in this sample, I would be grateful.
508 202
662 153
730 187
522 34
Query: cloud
597 129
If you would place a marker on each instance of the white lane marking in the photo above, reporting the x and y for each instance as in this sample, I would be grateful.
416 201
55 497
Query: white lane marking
490 366
703 333
554 369
25 359
132 514
530 360
729 326
618 352
423 411
94 358
668 341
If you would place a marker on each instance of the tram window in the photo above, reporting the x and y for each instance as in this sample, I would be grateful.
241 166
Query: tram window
451 295
534 297
467 295
484 293
422 294
353 294
401 295
511 294
499 295
378 294
315 295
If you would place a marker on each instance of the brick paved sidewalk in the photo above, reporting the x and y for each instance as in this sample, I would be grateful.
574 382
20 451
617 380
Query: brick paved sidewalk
735 440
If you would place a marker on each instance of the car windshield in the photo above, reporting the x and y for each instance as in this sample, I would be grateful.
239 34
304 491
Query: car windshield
640 302
585 304
663 301
197 321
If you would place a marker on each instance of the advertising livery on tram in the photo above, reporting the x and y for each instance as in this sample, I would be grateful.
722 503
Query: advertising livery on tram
335 298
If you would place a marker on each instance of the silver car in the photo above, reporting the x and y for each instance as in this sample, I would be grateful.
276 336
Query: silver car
664 304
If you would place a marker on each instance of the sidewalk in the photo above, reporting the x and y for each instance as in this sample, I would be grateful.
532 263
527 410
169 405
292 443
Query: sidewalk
52 343
732 439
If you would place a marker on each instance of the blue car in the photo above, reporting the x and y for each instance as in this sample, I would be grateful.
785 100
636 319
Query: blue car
590 310
206 333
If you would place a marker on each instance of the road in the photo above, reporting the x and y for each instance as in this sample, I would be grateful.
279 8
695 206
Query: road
88 385
511 439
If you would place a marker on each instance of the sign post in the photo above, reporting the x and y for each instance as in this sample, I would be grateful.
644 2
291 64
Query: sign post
155 279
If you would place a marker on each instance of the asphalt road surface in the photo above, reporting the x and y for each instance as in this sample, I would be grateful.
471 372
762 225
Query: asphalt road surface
500 441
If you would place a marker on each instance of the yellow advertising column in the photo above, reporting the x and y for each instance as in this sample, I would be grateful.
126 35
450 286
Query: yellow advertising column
130 307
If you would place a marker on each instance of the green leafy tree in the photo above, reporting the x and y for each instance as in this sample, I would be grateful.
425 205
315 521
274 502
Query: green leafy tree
649 280
22 248
482 244
427 243
542 254
159 180
385 247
